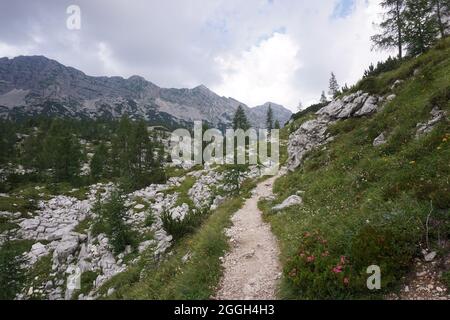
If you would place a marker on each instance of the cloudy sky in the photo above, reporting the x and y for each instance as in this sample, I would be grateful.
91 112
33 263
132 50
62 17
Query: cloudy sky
254 50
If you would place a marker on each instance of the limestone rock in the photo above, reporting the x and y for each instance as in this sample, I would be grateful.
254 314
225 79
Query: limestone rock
425 128
293 200
380 140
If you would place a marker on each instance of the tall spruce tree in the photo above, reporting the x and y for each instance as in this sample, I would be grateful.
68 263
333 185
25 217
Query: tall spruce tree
62 151
421 26
334 86
442 12
277 125
393 26
323 98
240 120
99 162
269 119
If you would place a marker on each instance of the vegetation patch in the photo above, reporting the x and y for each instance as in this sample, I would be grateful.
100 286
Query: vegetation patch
368 206
173 278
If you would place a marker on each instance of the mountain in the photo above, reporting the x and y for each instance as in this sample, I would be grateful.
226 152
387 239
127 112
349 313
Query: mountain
36 85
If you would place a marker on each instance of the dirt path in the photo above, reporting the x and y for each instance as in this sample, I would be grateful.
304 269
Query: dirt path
252 268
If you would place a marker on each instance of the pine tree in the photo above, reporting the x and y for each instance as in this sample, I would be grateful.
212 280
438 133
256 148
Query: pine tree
442 12
323 98
110 219
393 26
334 86
421 26
240 120
269 119
277 125
62 151
121 149
7 141
99 161
300 106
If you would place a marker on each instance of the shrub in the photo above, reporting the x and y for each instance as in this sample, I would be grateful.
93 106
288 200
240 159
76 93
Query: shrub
369 85
179 228
391 250
150 219
110 220
316 272
12 276
233 177
446 279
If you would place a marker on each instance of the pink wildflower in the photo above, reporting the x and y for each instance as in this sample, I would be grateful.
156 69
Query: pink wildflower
337 269
346 281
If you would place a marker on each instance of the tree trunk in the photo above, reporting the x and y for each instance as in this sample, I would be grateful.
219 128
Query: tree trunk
400 29
439 16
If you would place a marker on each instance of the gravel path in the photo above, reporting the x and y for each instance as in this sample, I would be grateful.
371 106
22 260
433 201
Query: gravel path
252 268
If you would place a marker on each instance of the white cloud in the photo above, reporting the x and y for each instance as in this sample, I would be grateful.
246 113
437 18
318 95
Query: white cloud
11 51
263 73
105 55
232 46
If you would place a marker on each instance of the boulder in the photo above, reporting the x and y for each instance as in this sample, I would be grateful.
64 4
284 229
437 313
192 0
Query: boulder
390 97
38 250
68 245
291 201
380 140
370 106
30 224
139 207
430 256
310 135
144 245
179 213
437 115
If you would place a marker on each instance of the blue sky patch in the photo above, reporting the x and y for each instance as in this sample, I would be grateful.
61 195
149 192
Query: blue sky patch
343 8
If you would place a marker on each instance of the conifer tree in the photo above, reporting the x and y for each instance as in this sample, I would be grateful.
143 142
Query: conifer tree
323 98
393 26
421 26
334 86
277 125
99 161
442 12
240 120
62 151
269 118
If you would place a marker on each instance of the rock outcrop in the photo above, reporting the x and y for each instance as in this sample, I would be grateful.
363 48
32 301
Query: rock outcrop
291 201
437 115
313 133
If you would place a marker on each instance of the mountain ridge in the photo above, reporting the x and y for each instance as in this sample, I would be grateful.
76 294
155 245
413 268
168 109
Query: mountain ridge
36 85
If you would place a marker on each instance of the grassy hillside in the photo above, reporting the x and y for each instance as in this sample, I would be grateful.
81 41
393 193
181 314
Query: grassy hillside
365 205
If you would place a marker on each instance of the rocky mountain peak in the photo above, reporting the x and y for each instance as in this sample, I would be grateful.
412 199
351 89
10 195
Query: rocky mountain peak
33 85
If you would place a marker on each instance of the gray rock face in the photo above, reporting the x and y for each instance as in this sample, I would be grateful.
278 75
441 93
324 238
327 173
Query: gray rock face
437 115
313 134
293 200
430 256
39 86
310 135
38 250
358 104
380 140
68 245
